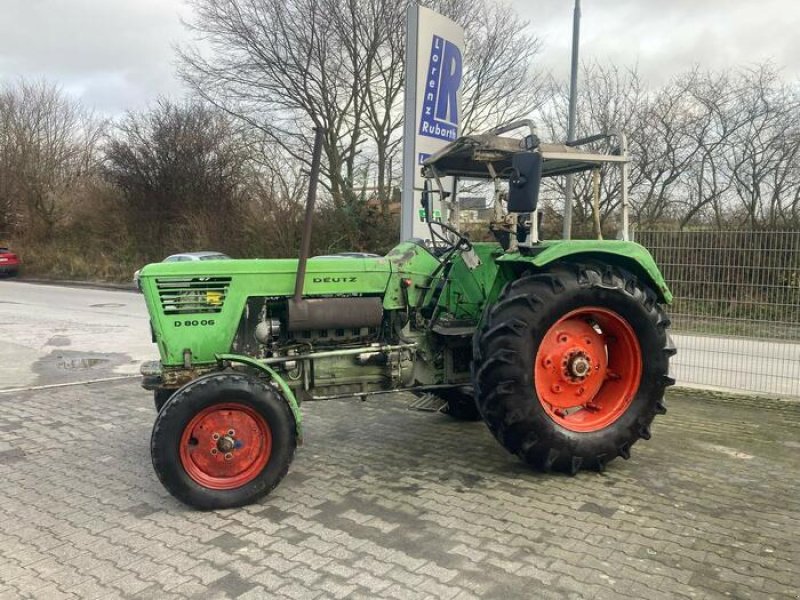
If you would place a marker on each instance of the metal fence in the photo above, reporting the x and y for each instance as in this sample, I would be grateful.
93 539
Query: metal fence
736 313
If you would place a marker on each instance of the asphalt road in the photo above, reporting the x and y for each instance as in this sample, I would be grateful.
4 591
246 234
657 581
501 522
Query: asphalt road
737 364
55 334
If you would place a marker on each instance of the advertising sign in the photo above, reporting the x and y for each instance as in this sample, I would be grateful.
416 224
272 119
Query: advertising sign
434 69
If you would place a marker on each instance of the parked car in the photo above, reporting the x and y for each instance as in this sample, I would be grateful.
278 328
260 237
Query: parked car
9 262
186 257
350 255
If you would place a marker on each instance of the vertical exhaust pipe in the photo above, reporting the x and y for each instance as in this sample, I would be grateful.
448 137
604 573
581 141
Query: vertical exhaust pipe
305 242
325 313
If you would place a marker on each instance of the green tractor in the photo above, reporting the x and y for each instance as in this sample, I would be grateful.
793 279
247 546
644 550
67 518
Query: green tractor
560 347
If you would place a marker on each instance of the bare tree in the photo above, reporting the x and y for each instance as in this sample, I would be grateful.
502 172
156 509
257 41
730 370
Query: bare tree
610 100
181 169
282 66
715 120
665 149
276 192
746 169
9 209
762 154
706 148
48 146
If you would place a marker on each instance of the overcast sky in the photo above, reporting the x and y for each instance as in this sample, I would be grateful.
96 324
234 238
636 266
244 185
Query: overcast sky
118 54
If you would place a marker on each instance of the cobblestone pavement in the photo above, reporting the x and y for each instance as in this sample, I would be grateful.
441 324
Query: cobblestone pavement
383 502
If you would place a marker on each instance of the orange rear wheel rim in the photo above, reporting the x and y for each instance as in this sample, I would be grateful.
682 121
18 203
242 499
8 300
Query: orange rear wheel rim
588 369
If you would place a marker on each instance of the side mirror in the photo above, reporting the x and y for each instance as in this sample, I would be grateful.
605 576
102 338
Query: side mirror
523 186
425 201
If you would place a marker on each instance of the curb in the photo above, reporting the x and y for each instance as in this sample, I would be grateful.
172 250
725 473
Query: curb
102 285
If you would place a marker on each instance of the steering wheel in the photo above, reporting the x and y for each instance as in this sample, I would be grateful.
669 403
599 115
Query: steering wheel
462 242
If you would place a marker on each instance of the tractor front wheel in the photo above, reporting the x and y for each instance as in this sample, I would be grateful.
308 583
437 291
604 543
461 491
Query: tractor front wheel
571 366
160 397
223 440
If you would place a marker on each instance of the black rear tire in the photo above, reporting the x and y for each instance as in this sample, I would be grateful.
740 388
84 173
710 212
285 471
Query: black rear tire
461 404
259 399
505 350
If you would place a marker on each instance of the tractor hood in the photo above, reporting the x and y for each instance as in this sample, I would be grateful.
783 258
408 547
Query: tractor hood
196 306
275 277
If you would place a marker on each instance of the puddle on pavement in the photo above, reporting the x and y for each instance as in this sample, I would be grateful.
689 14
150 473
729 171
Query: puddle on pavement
61 366
72 364
59 340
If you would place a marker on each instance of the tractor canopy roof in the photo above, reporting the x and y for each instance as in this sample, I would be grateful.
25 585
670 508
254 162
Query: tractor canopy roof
488 155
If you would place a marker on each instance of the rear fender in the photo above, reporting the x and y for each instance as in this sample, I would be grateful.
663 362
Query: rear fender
627 255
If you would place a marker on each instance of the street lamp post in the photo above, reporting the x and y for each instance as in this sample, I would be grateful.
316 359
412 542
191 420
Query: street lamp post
573 106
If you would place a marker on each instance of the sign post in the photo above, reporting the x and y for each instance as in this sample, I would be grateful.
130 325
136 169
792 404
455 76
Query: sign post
434 69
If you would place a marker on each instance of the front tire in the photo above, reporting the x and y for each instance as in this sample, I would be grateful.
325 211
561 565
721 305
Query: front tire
571 366
160 397
223 440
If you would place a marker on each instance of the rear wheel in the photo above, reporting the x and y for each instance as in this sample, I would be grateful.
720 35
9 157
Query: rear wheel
223 440
461 404
571 366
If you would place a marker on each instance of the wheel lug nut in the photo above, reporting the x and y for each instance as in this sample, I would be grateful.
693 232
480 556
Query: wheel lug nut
215 436
213 451
231 432
228 456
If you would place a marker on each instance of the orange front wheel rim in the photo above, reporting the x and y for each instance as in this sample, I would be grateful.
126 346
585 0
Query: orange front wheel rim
588 369
225 446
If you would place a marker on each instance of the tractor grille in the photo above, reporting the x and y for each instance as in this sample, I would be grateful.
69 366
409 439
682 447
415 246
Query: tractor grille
192 295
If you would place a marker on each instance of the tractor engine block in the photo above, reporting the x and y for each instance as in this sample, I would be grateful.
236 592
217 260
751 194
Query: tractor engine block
269 325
